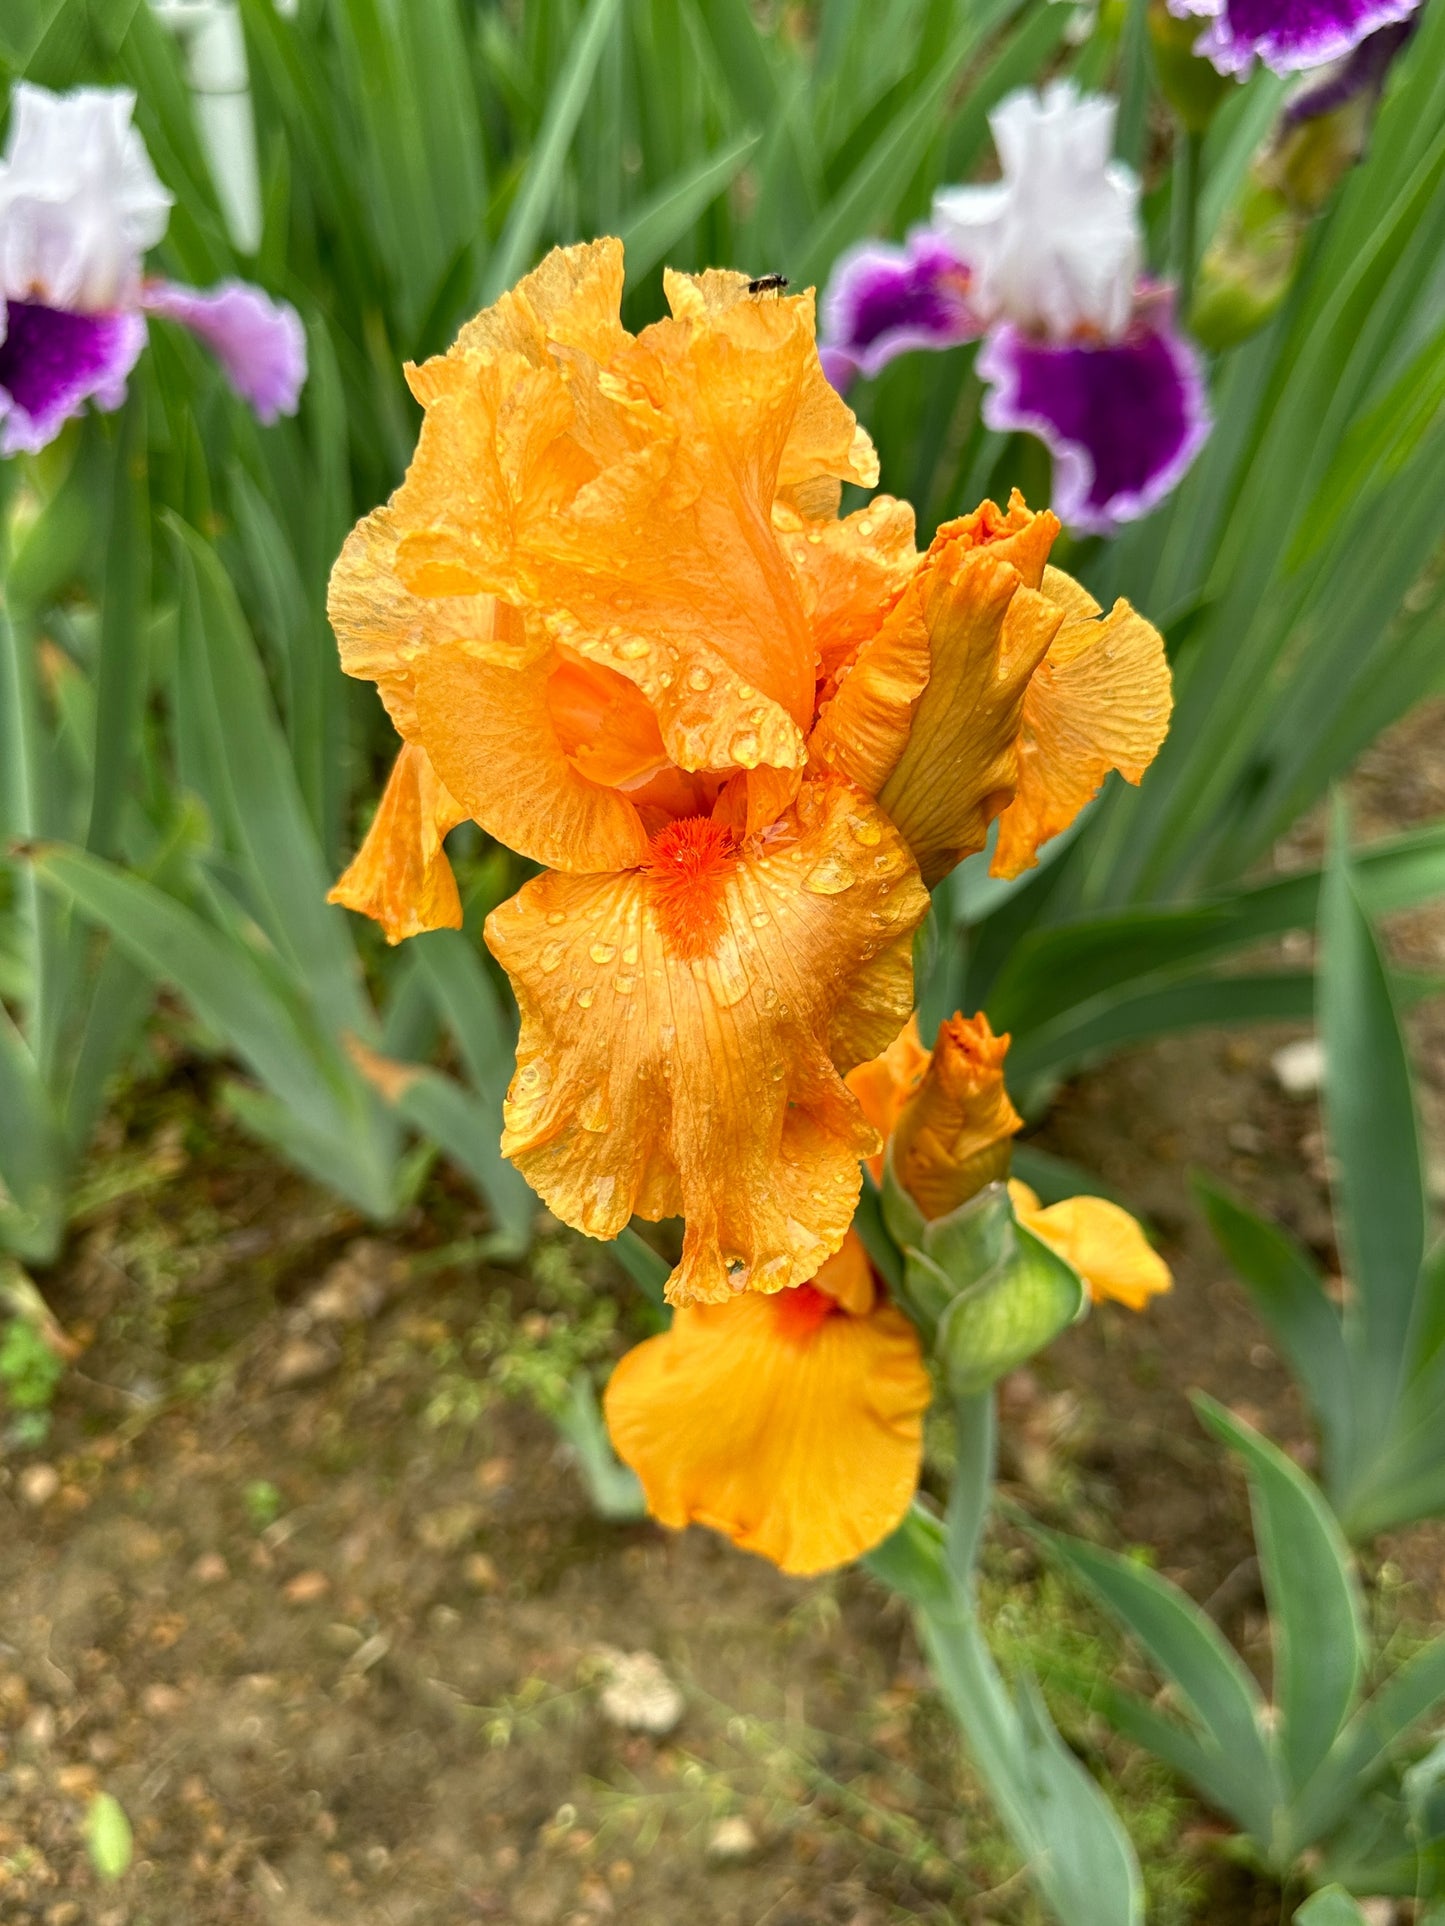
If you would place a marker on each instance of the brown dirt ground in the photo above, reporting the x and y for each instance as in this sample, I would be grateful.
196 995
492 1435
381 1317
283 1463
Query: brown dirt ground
322 1604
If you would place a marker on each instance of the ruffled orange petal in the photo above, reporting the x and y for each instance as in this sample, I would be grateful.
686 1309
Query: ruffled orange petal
401 876
626 487
684 1029
494 740
1100 701
885 1083
1103 1243
987 634
382 628
795 1434
864 595
954 1134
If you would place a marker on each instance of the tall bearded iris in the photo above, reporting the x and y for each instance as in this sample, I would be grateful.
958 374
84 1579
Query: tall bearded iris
79 206
1288 36
616 619
1045 264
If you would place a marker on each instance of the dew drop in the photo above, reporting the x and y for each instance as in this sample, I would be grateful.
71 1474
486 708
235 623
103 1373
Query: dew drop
554 917
629 955
746 692
634 648
761 919
602 952
744 749
866 832
829 877
552 954
585 999
624 985
770 998
699 679
593 1113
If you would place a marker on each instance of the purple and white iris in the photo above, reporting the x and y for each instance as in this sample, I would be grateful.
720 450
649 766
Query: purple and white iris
79 205
1044 265
1287 35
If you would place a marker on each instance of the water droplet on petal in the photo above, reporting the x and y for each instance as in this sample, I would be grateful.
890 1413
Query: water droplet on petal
745 749
552 954
745 691
585 999
629 955
602 952
594 1112
830 876
699 679
634 648
761 919
868 833
554 917
624 985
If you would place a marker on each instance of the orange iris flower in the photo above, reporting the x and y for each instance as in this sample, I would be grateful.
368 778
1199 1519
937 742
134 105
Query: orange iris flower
793 1423
615 616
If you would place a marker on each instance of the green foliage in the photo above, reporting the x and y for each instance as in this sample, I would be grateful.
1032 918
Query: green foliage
1318 1769
1374 1372
30 1372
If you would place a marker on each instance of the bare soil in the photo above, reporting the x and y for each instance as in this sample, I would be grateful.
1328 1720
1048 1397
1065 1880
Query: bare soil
304 1579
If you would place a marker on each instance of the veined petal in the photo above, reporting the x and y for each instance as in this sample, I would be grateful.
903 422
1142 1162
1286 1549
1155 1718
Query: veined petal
987 634
955 1133
1099 701
797 1434
494 740
685 1030
1123 419
400 876
1103 1243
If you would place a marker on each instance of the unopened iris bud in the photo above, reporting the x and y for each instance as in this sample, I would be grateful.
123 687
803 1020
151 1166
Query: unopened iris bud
954 1134
1192 86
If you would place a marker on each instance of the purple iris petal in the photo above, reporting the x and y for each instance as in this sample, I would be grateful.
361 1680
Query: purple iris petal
881 301
53 362
260 343
1363 73
1287 35
1123 419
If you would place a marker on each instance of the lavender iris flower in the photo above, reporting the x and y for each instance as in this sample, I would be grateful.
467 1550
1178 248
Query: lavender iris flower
79 205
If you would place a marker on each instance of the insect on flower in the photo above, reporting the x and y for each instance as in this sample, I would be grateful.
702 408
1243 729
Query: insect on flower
768 284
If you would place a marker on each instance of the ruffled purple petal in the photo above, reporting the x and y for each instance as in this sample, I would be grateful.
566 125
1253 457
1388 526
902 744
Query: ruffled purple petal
260 343
1123 419
882 301
53 362
1287 35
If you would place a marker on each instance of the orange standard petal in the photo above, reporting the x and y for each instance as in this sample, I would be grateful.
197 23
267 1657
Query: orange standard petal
624 488
686 1028
955 1133
401 876
1105 1245
784 1422
988 630
1100 700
